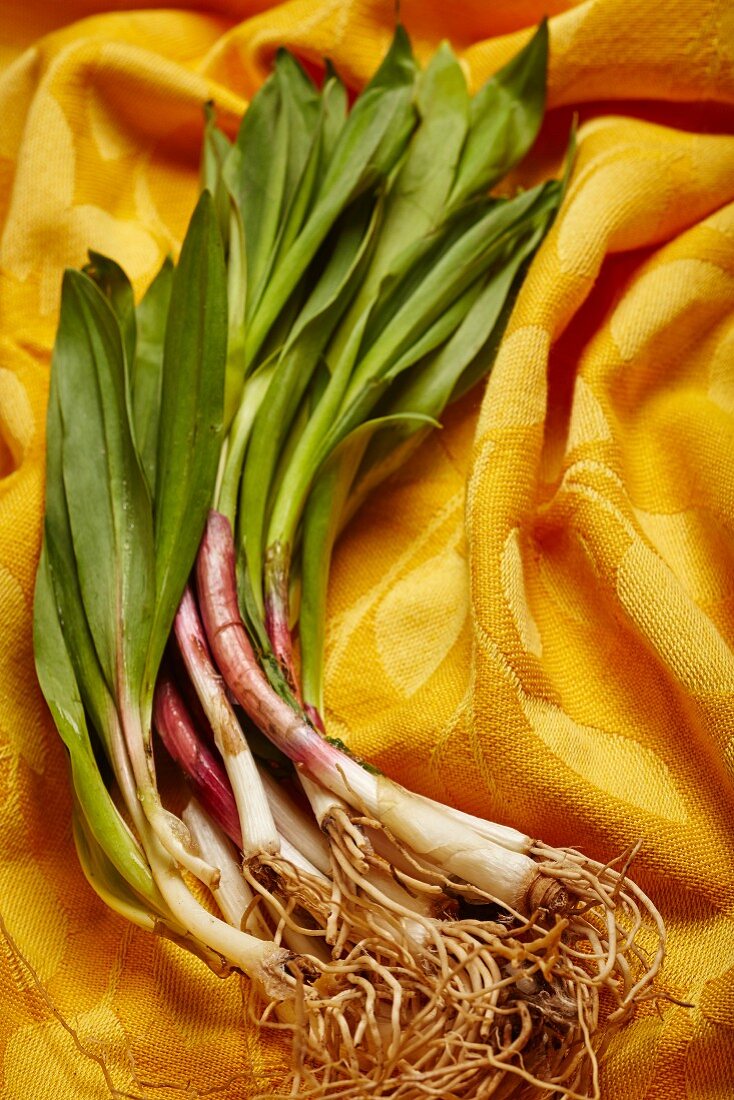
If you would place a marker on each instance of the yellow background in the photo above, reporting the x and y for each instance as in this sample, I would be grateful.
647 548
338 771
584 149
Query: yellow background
535 621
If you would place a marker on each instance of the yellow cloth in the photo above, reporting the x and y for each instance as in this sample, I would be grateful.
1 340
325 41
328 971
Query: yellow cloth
568 667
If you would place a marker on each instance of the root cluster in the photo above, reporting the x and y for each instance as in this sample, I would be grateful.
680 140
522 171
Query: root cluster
432 989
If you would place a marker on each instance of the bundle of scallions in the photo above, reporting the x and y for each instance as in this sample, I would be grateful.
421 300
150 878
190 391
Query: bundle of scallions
346 274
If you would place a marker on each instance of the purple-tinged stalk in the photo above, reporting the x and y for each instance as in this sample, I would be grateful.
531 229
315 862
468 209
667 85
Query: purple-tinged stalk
259 834
205 774
510 877
298 838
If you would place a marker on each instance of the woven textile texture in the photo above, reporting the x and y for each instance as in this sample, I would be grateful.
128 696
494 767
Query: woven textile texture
533 621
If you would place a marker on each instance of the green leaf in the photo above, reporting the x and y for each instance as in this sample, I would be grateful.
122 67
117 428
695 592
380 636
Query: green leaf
287 163
378 127
506 114
59 549
321 524
215 151
152 314
104 877
369 144
402 282
454 368
294 483
334 107
431 287
254 390
108 503
116 287
416 197
191 410
59 686
513 230
374 389
429 389
483 359
255 172
234 377
301 188
217 154
297 363
302 105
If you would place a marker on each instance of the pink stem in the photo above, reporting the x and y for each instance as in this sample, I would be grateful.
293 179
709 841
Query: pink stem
196 659
206 775
191 700
235 658
314 717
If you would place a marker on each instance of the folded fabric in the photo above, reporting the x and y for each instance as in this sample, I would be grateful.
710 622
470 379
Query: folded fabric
535 618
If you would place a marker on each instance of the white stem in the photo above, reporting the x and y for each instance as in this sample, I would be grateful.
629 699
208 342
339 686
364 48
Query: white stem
294 825
322 801
504 835
233 895
458 849
169 829
260 959
259 833
298 859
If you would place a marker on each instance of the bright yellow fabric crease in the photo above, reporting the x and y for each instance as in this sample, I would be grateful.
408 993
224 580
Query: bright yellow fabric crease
534 621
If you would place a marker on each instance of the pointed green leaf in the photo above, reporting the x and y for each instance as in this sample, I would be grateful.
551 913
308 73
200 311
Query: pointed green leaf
59 686
302 105
192 395
378 127
505 118
484 356
299 359
108 503
151 314
369 144
117 289
416 197
59 548
254 390
416 200
215 151
308 160
295 482
256 175
334 106
432 286
454 368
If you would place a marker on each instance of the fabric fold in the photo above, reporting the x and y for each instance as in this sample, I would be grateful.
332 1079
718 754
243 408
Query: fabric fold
533 620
